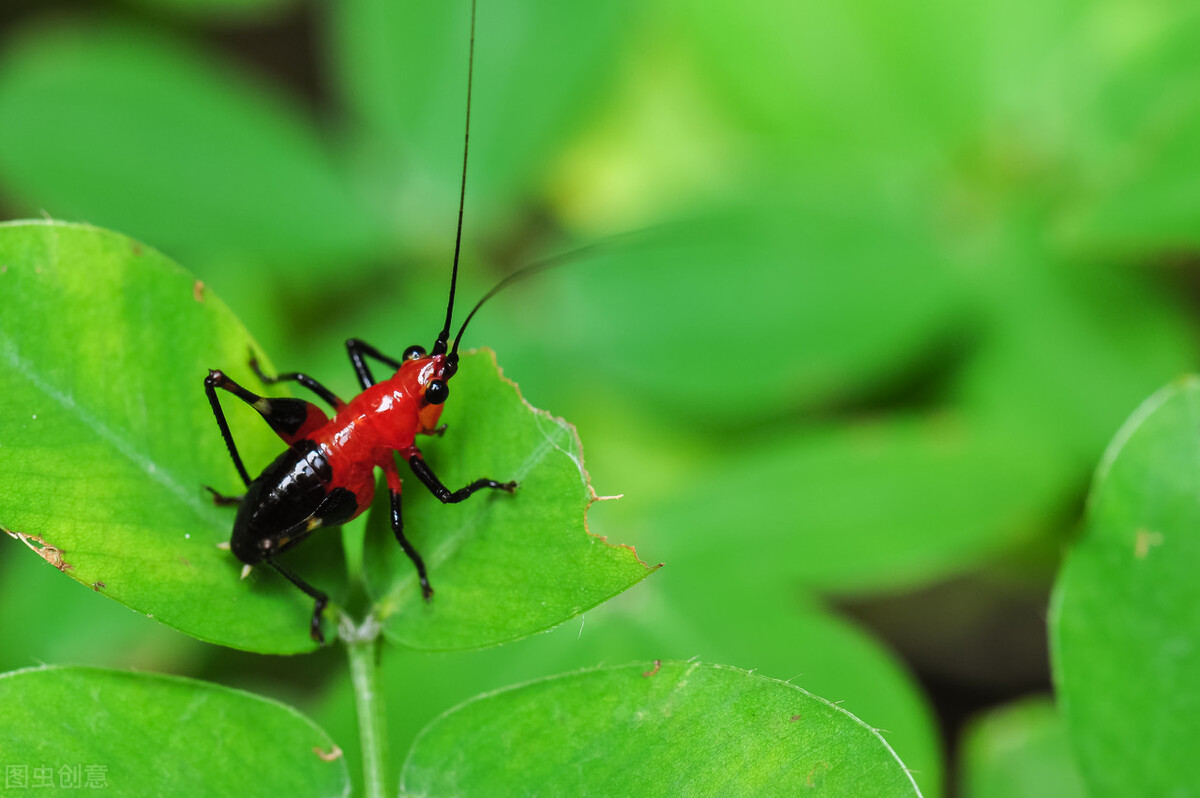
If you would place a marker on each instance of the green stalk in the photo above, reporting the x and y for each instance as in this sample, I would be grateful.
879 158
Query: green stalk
362 647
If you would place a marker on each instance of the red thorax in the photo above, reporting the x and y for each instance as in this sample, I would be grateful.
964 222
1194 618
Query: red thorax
383 419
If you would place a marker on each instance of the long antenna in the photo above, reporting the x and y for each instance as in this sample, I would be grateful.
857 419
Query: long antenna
527 271
439 346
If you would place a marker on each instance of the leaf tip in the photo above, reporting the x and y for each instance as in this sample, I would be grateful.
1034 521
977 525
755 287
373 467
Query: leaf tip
587 479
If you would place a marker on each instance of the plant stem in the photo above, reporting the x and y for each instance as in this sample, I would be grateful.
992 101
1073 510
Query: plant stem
362 647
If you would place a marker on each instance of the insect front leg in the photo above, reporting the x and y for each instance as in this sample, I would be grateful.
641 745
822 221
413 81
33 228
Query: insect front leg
359 351
446 496
393 479
295 376
291 419
214 380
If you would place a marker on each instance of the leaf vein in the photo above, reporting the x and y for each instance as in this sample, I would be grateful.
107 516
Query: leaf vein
118 443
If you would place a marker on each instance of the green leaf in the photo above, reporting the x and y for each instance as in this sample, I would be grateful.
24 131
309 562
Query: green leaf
732 615
503 566
1020 749
86 629
656 728
1126 608
106 438
540 67
178 150
144 734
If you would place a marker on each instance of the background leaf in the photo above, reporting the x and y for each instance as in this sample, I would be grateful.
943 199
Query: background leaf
1143 138
806 301
1127 607
862 507
857 83
503 566
210 165
1020 749
161 735
653 729
402 68
221 10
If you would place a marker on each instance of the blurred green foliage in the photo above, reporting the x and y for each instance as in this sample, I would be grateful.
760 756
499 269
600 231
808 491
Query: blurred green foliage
1020 749
901 270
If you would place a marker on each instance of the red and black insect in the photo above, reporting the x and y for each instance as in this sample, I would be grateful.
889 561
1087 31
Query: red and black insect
326 476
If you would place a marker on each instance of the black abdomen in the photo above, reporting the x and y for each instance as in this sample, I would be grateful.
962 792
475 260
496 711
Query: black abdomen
287 493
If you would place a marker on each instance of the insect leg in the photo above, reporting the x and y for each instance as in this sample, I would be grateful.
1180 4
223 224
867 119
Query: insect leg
318 597
393 478
292 419
221 500
214 380
305 380
359 351
424 473
338 507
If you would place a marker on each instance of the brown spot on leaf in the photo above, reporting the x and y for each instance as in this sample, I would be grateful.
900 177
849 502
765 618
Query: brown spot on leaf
184 561
198 291
632 549
794 718
98 586
136 246
50 554
654 670
1145 541
328 756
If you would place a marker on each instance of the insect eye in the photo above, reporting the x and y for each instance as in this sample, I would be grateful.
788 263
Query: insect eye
413 352
437 392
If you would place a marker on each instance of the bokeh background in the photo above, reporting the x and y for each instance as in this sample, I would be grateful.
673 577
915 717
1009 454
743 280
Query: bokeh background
876 283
